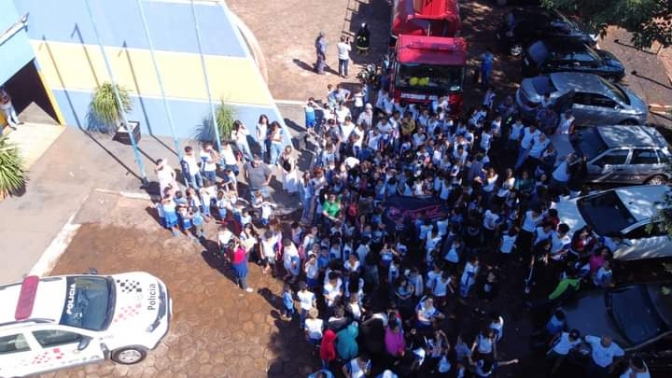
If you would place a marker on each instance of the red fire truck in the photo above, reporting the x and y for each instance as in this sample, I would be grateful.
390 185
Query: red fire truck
428 60
438 18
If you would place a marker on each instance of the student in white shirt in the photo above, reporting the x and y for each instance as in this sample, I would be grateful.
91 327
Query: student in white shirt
506 246
497 324
561 344
314 327
605 353
347 128
307 301
332 290
636 369
560 242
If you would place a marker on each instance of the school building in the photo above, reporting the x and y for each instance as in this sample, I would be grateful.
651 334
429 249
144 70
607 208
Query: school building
50 56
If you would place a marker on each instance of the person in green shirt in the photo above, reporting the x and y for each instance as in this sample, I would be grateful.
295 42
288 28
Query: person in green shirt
571 282
331 207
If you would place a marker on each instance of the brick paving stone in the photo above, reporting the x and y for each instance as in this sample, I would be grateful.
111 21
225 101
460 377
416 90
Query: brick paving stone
150 372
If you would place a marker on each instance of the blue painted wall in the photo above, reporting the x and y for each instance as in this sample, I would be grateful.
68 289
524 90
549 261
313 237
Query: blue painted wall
15 52
119 22
187 115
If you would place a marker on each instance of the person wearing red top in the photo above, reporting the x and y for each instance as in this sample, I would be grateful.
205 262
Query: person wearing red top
238 256
328 348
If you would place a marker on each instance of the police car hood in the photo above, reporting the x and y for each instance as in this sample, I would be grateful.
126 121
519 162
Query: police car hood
139 298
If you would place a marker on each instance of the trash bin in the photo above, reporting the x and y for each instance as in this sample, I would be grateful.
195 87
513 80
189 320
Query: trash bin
122 135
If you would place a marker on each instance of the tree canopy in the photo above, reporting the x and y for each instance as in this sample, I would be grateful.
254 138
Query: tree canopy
647 20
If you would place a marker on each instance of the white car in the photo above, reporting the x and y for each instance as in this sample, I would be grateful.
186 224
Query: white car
58 322
626 216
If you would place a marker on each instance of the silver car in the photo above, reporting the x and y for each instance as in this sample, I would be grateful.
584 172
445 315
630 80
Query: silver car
592 99
619 154
626 217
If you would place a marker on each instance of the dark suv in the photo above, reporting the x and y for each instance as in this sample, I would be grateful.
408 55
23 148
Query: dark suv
554 55
638 317
521 26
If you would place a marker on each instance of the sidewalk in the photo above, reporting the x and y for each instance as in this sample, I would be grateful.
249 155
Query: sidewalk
646 74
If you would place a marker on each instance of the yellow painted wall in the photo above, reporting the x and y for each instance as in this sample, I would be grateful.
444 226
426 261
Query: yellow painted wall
81 67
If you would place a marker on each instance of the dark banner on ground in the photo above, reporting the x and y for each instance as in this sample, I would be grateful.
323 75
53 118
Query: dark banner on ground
401 212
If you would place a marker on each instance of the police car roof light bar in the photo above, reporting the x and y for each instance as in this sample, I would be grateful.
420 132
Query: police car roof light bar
26 298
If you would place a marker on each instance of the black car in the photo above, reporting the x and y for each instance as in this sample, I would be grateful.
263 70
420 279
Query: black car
638 317
555 55
520 27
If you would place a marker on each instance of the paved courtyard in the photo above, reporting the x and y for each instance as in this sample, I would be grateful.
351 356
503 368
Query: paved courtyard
286 31
217 331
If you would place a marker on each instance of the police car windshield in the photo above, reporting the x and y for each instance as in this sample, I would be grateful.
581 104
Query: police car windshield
430 76
87 301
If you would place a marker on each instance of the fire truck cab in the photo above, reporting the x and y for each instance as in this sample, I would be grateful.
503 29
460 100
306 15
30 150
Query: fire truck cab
424 69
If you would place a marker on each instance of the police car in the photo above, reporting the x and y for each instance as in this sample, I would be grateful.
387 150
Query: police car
59 322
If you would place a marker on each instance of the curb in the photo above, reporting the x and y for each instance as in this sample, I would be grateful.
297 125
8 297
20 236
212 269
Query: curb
131 195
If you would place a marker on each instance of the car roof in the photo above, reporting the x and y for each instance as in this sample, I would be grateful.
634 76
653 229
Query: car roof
567 81
641 200
47 305
564 45
631 136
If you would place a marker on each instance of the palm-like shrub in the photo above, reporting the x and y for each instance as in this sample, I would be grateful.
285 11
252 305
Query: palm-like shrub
105 108
226 116
12 173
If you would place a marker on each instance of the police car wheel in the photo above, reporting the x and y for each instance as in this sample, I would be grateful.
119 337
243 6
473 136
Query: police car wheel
129 355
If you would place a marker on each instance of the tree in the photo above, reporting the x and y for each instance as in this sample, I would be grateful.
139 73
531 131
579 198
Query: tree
648 20
663 218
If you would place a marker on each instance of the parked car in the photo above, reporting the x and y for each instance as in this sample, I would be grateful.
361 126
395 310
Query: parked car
620 154
593 99
522 26
637 317
53 323
568 55
626 217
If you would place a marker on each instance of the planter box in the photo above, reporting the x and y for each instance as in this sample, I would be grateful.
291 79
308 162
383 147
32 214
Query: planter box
121 135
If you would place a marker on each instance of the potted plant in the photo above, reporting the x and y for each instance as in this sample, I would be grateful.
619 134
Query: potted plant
226 116
105 108
12 173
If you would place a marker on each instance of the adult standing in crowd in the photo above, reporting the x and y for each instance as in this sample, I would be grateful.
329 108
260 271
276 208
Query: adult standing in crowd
290 171
258 176
343 48
166 176
605 353
321 53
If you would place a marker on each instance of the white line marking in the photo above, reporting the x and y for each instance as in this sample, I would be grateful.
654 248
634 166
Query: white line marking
58 245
